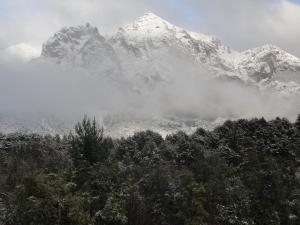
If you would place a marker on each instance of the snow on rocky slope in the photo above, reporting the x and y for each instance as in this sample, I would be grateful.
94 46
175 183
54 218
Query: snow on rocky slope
264 62
150 50
270 67
150 32
82 46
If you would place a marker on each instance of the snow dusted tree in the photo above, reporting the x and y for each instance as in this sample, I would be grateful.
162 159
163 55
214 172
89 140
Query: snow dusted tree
297 123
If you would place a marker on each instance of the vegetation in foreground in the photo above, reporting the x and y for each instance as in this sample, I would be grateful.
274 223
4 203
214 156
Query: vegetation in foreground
242 173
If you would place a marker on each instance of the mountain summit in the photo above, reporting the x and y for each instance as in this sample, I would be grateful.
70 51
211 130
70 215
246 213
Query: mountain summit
151 32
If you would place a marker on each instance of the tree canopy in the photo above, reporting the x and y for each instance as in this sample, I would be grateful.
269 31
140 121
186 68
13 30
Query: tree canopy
243 172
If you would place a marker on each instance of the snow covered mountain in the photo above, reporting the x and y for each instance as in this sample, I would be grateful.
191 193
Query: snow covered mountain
152 40
150 33
151 53
146 52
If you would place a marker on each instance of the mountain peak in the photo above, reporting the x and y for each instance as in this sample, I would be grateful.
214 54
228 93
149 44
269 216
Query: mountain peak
70 38
149 23
82 46
151 32
150 16
274 51
78 31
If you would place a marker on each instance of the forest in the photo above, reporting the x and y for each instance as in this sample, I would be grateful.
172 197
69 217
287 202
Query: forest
244 172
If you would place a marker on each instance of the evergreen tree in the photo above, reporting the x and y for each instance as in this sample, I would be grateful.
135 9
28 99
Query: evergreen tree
88 143
45 200
243 172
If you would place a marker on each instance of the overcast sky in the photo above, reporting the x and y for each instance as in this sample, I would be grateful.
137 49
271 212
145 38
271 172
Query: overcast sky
241 24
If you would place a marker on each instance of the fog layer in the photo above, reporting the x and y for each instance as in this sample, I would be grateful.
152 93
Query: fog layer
69 94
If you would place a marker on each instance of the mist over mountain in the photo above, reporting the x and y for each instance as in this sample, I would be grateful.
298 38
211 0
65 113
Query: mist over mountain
149 74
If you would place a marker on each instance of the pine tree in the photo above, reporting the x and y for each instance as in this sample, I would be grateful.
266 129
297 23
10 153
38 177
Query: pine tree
88 143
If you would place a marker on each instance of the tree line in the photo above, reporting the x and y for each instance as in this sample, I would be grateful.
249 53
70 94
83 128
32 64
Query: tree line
245 172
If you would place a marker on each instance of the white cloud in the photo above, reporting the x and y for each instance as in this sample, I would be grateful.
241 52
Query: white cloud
34 20
239 23
249 23
23 52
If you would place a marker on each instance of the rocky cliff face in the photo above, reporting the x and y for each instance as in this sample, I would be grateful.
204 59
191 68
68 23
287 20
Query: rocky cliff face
81 46
264 62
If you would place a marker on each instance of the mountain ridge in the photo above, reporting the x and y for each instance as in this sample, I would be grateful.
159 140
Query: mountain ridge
151 37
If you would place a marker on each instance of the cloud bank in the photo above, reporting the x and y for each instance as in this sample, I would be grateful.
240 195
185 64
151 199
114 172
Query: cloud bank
246 24
241 24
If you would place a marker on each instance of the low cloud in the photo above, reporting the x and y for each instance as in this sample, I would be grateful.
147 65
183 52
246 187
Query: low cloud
68 94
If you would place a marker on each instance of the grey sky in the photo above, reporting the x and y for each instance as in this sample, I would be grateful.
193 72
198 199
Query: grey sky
240 24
